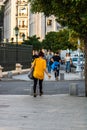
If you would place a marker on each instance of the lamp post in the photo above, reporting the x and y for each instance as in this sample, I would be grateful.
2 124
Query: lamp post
0 34
79 69
16 34
23 36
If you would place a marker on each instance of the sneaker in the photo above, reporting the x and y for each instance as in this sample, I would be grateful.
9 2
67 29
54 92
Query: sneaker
35 95
41 93
57 78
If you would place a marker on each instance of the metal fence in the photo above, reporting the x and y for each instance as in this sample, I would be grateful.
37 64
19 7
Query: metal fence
10 54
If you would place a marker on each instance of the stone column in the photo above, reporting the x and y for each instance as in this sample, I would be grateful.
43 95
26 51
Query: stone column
18 68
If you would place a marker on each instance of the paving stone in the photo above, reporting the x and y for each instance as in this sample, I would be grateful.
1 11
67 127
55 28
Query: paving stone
58 112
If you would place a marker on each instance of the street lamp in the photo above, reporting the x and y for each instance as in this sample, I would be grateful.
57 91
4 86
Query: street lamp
23 36
16 34
79 69
0 34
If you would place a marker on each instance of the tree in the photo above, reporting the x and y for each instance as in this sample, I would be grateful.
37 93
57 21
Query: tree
49 42
70 13
58 41
34 41
73 38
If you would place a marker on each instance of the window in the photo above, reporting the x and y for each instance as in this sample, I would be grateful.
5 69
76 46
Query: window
22 23
49 22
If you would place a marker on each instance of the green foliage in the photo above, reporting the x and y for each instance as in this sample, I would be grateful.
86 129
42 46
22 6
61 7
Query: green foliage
57 40
34 41
73 38
71 13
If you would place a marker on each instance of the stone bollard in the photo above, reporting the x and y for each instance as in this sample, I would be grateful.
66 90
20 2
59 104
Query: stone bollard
73 89
9 75
18 68
1 68
61 76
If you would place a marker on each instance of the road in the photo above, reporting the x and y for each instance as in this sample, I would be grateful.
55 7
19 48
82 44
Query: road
18 87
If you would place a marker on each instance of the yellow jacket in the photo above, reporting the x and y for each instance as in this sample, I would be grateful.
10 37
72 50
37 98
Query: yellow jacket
39 68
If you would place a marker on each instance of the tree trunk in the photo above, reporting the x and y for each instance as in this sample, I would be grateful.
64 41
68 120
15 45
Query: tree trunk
85 42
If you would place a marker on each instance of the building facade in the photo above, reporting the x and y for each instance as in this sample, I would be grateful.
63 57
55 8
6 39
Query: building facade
16 14
1 2
40 25
1 20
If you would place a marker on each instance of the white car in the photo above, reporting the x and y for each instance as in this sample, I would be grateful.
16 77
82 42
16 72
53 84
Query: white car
78 61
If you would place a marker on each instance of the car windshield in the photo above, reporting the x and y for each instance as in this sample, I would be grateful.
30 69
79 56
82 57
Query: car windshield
76 59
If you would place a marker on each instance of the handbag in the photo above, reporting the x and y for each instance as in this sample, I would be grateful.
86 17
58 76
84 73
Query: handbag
30 73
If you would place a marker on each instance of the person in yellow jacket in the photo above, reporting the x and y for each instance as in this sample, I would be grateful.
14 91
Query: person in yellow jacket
39 65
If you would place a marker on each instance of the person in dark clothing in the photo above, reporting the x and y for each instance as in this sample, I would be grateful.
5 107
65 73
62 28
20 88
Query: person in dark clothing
35 55
56 63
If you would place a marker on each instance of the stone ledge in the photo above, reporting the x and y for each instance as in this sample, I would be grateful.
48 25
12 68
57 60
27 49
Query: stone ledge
15 72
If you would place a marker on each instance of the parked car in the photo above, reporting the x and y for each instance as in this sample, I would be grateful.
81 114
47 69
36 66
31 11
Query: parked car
78 61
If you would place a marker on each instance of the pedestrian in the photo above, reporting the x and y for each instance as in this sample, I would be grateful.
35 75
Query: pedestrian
49 56
35 54
56 65
68 62
39 65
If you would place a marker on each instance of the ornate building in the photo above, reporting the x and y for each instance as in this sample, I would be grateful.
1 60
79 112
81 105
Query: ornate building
16 14
40 25
22 18
1 19
1 2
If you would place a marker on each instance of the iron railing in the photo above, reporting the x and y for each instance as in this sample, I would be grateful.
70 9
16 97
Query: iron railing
9 53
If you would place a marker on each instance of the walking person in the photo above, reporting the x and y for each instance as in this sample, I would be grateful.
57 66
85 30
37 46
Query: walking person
35 54
39 65
49 56
67 62
56 65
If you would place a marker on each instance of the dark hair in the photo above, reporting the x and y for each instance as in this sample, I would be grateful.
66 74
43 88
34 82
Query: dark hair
57 52
41 54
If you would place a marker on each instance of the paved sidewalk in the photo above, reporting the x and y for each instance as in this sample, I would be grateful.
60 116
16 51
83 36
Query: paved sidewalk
48 112
67 76
58 112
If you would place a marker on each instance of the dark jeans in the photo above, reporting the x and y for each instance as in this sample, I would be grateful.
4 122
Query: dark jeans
35 85
49 67
56 72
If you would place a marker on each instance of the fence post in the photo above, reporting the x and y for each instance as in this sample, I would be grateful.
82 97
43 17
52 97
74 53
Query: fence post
73 89
1 68
18 68
61 76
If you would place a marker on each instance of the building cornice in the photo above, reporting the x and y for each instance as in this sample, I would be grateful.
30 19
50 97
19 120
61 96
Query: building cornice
5 1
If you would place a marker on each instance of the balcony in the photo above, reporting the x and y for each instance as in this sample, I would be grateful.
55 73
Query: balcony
23 26
22 2
23 15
